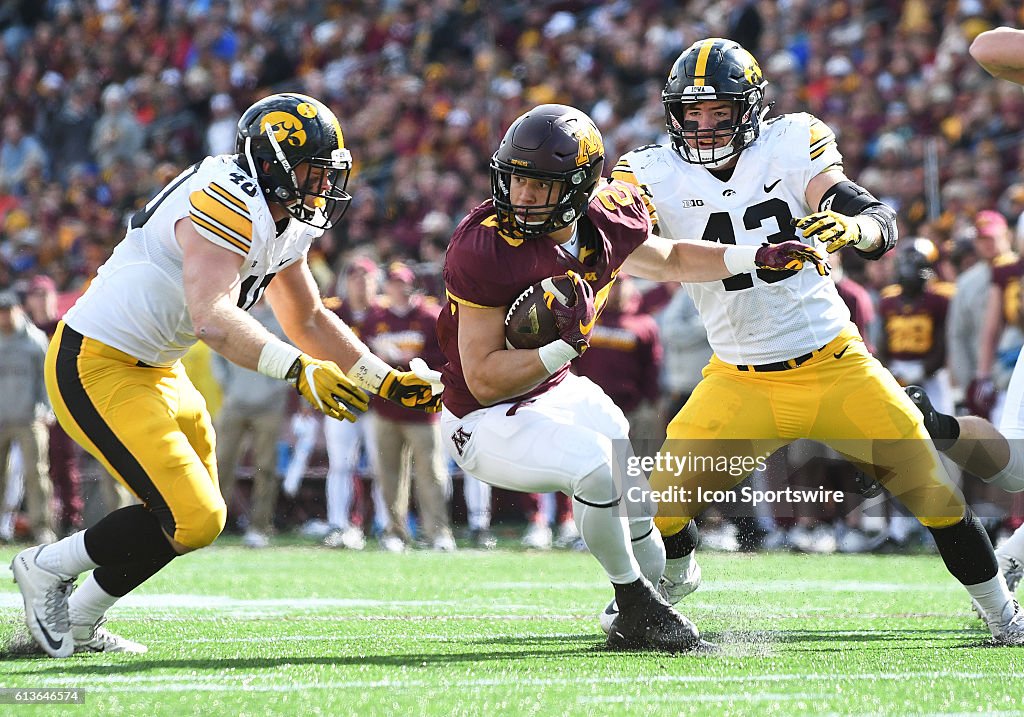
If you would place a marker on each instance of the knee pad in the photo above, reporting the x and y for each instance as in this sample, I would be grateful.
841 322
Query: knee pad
204 528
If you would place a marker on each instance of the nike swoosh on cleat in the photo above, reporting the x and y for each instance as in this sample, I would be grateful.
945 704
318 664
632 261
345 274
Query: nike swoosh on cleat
55 644
770 187
840 354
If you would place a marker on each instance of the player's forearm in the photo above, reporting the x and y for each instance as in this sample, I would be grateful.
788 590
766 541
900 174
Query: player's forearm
231 332
327 337
505 374
681 260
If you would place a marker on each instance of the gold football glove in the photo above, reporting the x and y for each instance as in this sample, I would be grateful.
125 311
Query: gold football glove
408 389
833 230
327 388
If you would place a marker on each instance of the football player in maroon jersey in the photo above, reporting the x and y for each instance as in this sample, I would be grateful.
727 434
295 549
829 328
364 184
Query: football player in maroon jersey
516 418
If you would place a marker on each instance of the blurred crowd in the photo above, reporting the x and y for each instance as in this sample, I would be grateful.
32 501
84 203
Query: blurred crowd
105 100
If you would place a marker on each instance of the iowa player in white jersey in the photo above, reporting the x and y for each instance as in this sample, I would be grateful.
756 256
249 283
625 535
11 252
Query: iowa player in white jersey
788 362
201 253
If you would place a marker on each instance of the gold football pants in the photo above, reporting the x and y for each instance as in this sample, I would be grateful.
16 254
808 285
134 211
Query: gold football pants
148 426
841 396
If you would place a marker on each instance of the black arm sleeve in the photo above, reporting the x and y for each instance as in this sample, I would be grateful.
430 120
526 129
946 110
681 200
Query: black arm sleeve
852 200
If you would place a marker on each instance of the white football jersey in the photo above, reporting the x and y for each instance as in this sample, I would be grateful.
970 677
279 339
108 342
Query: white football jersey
764 316
136 302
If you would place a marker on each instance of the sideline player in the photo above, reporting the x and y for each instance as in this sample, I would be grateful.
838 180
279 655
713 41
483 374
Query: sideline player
788 362
201 253
517 419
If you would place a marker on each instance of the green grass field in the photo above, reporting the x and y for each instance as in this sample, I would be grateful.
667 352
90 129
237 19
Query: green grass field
310 631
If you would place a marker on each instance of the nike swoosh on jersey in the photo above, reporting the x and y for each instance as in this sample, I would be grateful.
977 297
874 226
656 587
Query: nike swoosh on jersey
840 354
55 644
770 187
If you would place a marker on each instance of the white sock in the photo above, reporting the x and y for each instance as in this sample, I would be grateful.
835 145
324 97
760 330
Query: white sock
478 502
1014 545
67 557
995 600
89 602
606 535
648 551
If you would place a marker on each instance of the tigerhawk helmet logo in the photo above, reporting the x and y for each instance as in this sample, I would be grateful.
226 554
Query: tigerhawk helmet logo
287 128
751 70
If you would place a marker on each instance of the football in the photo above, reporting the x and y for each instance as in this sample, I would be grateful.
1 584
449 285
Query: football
529 323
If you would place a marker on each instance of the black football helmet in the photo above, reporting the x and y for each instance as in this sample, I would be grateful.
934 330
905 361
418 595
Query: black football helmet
550 142
279 134
714 69
914 262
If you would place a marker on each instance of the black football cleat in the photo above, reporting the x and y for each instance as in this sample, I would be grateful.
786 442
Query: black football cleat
651 623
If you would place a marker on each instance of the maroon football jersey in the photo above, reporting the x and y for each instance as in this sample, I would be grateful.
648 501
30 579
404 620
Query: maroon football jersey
1006 276
914 325
624 358
485 268
398 339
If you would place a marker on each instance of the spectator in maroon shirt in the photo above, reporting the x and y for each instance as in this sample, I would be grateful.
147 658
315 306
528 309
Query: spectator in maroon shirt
408 442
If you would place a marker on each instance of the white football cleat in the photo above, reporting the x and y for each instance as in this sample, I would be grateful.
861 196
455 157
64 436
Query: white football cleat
46 603
96 638
1010 630
537 536
255 539
350 538
444 544
568 534
392 543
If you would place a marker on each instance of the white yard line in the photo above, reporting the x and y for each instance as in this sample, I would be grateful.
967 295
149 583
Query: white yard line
690 697
251 681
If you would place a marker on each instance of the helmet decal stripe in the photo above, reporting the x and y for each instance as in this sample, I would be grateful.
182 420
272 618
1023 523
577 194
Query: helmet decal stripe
700 70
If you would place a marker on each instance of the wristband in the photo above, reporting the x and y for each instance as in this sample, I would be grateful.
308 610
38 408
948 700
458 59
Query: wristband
276 358
740 259
369 372
556 354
